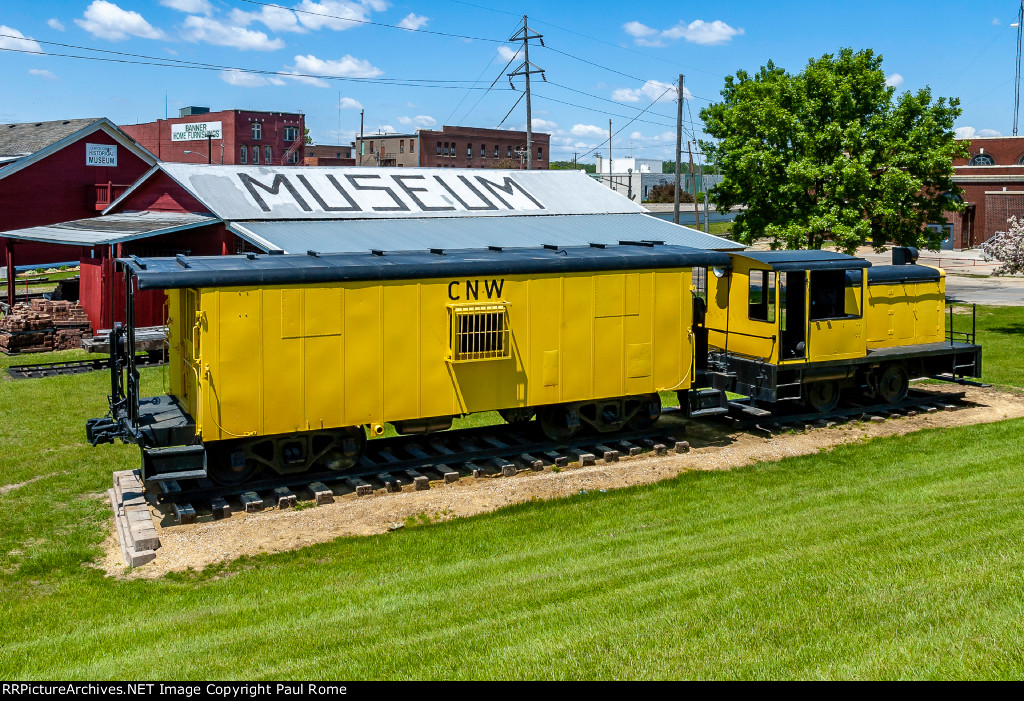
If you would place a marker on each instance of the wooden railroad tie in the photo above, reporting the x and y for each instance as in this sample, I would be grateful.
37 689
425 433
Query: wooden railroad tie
321 494
448 474
220 508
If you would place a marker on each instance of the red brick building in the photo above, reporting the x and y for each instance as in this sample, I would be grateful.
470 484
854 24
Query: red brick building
992 178
454 147
228 137
57 171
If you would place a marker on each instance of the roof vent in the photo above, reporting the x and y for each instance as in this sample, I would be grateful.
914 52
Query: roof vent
275 252
376 252
904 255
437 251
189 111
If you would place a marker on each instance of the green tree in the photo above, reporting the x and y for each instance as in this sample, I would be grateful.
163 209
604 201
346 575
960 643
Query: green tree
829 156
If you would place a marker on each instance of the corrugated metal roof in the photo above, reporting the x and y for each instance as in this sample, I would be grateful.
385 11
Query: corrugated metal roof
470 233
27 138
237 193
112 228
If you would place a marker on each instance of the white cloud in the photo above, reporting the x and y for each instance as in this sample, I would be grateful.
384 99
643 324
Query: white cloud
42 73
54 23
413 21
543 124
276 19
894 81
652 90
587 130
242 79
507 54
347 103
108 21
337 14
344 67
971 132
383 129
13 39
211 31
193 7
696 32
420 120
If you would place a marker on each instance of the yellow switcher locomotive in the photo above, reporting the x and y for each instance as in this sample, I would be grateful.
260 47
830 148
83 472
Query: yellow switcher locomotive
285 362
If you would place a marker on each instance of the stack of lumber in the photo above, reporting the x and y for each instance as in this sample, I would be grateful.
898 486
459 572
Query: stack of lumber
43 325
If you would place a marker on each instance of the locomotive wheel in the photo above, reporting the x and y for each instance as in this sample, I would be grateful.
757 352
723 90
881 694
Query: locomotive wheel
893 384
647 413
345 450
559 422
823 396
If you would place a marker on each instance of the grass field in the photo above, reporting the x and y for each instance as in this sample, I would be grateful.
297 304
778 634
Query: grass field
883 559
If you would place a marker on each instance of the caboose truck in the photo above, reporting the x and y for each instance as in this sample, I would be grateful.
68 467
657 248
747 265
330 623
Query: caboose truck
285 362
802 326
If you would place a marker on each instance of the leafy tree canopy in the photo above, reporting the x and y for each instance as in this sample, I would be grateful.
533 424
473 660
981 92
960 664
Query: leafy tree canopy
830 155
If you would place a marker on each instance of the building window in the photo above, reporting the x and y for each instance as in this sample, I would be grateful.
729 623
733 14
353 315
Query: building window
291 134
371 147
269 153
540 152
451 152
438 148
293 157
257 131
412 145
509 153
401 146
483 151
469 150
243 155
255 155
982 159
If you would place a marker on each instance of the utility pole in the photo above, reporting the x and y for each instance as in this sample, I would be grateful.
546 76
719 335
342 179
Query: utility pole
361 144
525 35
696 212
1016 86
611 182
679 148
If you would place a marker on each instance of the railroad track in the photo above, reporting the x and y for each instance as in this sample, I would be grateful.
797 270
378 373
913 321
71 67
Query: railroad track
26 371
390 464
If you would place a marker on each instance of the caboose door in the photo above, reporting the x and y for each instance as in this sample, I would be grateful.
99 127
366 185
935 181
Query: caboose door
793 313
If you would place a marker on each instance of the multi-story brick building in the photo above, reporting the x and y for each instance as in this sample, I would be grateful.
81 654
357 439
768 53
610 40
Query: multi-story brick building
453 147
992 178
387 150
330 155
229 137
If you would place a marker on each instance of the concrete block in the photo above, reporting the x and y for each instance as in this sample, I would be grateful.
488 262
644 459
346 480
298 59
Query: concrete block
284 497
584 459
220 508
144 539
184 513
682 447
420 482
447 473
251 502
362 487
321 494
137 558
391 484
558 459
607 454
531 462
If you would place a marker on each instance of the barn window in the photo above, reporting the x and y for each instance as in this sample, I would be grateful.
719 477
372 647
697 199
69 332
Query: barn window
479 332
982 159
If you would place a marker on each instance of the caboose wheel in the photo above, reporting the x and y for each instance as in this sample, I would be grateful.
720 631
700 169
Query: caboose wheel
517 415
228 466
823 396
559 422
647 413
893 384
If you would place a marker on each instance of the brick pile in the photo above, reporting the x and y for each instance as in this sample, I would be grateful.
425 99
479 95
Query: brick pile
43 325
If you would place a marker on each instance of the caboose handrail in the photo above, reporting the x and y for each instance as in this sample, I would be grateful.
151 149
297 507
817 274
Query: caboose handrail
771 338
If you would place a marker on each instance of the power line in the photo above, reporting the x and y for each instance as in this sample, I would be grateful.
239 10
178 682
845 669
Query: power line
456 108
371 22
608 140
609 114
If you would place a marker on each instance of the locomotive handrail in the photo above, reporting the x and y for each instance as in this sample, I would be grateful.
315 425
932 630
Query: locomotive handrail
771 338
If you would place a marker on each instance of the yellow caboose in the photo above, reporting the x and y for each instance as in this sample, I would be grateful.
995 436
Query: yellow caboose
805 325
286 361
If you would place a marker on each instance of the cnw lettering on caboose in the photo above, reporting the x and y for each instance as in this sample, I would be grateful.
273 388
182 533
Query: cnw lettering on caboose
471 289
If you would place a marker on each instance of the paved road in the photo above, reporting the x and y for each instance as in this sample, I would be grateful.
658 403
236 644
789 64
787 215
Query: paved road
1000 291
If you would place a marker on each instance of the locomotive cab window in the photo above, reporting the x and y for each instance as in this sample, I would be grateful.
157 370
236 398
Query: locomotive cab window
833 295
761 301
479 332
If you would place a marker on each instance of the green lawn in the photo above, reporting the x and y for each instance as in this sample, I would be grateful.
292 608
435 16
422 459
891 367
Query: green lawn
885 559
1001 335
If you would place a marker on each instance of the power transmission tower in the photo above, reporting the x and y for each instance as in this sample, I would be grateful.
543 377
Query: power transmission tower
524 35
1016 84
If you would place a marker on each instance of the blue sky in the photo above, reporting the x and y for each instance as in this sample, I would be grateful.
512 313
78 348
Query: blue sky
603 60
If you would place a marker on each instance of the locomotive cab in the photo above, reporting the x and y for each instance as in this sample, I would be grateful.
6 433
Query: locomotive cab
805 325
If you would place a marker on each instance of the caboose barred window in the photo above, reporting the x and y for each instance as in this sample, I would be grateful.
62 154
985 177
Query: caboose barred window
479 332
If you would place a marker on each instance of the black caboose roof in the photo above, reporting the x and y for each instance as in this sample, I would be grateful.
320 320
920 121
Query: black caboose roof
263 269
805 260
